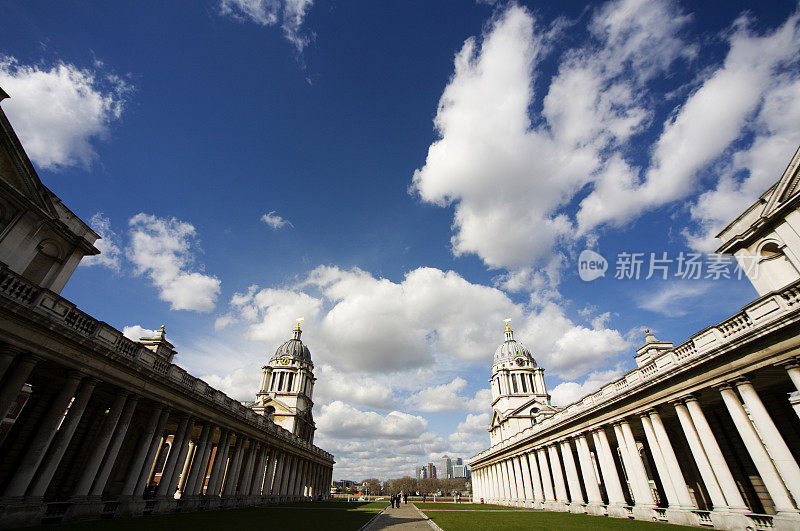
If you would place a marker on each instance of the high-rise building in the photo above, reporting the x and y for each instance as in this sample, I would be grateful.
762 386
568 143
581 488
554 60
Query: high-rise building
446 471
422 472
431 470
458 461
461 471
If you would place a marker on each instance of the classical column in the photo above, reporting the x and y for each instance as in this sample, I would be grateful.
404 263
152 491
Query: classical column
288 470
723 474
493 481
235 465
270 475
178 439
671 462
608 468
544 470
44 435
646 496
113 448
7 355
519 484
776 446
220 460
764 464
661 465
62 439
197 469
278 479
182 467
558 476
700 457
139 471
247 475
187 461
536 479
508 479
512 477
100 446
575 492
587 470
792 369
526 476
260 471
12 385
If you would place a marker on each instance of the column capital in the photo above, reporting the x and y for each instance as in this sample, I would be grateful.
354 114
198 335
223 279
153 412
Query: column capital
75 374
791 363
741 380
724 386
689 397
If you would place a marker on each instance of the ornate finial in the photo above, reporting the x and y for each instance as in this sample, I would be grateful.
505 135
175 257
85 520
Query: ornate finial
507 321
646 331
163 330
296 332
299 320
508 333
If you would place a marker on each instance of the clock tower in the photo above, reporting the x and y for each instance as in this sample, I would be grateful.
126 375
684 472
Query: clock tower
287 385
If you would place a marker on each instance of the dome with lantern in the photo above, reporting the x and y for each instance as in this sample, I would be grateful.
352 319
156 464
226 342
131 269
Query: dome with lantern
510 349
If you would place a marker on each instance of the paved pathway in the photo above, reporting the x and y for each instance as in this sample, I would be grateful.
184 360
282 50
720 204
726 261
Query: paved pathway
404 518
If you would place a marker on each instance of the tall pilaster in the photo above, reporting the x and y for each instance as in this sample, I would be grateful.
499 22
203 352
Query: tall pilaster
178 440
536 479
139 471
196 470
558 476
575 493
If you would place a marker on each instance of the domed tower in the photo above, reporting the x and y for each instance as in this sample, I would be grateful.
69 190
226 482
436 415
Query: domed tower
287 385
519 394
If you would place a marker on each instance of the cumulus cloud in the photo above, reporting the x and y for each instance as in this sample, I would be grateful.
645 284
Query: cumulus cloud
354 388
342 421
671 299
135 332
289 14
44 104
566 393
163 249
439 398
110 254
563 161
275 221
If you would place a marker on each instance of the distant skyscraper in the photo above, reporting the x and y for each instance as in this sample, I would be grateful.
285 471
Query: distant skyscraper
446 471
422 472
461 471
459 461
431 470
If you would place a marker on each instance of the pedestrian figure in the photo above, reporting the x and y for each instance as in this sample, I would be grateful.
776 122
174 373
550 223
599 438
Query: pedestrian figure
424 498
391 500
405 498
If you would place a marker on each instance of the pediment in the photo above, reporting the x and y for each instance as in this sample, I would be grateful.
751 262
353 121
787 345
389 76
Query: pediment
524 409
787 188
17 171
497 418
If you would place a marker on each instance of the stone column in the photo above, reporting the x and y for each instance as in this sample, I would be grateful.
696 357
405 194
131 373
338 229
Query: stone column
247 475
587 470
278 479
536 479
519 484
507 478
608 468
674 468
113 448
526 477
182 468
234 468
733 497
218 467
204 473
512 480
493 482
637 467
139 472
101 445
773 441
700 457
558 476
575 492
544 470
7 355
661 465
270 476
289 475
44 435
261 469
187 461
178 439
793 369
12 385
62 439
764 464
197 469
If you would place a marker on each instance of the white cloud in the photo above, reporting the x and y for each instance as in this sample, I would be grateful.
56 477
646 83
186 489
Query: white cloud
342 421
439 398
275 221
353 388
290 14
60 111
135 332
110 255
671 299
566 393
163 250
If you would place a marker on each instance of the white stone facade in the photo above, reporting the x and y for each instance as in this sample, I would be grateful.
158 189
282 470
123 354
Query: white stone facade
705 433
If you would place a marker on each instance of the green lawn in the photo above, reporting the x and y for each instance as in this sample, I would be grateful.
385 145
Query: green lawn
528 520
300 516
468 507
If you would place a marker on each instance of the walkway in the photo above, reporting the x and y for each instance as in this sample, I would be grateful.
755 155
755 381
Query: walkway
405 518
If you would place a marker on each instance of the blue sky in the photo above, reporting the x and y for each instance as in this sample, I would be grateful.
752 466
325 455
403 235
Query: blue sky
404 176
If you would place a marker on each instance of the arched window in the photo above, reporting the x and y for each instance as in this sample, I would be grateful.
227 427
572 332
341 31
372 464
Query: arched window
774 267
269 412
47 254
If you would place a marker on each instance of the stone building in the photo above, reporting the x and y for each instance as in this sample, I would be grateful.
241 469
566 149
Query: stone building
702 433
104 416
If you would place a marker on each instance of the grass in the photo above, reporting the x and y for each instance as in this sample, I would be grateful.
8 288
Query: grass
295 516
533 520
467 507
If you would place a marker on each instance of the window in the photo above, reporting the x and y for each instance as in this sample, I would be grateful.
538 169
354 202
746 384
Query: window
524 384
498 386
272 382
533 388
514 382
46 256
280 381
289 382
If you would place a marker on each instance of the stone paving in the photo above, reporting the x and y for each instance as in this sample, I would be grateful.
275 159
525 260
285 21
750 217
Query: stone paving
404 518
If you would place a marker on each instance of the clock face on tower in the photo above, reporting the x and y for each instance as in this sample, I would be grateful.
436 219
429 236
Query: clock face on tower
285 360
520 361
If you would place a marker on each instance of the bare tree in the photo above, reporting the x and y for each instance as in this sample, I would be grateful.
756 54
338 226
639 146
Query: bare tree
373 486
405 484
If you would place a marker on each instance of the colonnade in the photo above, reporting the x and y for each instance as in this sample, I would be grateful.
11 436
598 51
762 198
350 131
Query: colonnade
99 449
608 470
